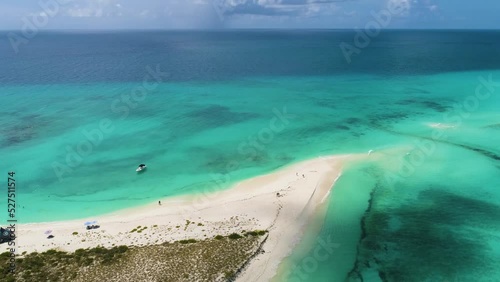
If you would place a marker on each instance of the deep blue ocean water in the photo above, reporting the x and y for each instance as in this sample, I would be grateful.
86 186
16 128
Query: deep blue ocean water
107 57
210 94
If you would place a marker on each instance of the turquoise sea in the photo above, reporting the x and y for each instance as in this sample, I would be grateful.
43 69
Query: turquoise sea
76 120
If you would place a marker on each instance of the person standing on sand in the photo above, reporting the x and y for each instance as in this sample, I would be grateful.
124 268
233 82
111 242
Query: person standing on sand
159 203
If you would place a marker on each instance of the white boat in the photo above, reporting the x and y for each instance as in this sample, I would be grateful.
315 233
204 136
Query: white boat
141 167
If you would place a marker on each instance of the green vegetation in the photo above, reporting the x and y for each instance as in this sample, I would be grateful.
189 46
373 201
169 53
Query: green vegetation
256 233
185 260
188 241
55 265
75 233
229 275
235 236
187 224
138 229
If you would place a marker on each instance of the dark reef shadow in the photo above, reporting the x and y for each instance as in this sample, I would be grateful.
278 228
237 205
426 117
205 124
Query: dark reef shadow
439 238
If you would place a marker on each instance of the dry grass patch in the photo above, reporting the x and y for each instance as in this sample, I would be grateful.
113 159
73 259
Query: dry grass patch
215 259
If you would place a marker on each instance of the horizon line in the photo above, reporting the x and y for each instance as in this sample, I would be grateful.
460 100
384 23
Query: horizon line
247 29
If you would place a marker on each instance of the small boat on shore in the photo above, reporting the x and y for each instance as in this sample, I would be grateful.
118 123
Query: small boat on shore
141 167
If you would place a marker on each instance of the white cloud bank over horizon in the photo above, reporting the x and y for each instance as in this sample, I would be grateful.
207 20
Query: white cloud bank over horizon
199 14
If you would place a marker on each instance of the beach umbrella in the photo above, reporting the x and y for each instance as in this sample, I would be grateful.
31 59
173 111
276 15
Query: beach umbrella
90 222
48 232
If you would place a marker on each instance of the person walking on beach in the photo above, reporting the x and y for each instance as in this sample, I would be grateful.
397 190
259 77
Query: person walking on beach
159 203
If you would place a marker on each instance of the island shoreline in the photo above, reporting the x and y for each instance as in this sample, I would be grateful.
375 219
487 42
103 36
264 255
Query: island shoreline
281 202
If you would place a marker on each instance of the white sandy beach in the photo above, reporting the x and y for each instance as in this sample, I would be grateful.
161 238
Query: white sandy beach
250 205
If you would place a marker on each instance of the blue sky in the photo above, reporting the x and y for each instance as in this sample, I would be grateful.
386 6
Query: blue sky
178 14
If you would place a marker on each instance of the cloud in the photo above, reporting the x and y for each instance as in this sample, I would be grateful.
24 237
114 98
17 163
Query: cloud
179 14
401 5
95 8
349 13
295 8
424 11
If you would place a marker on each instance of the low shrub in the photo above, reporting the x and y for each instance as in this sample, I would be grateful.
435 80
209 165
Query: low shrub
235 236
122 249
